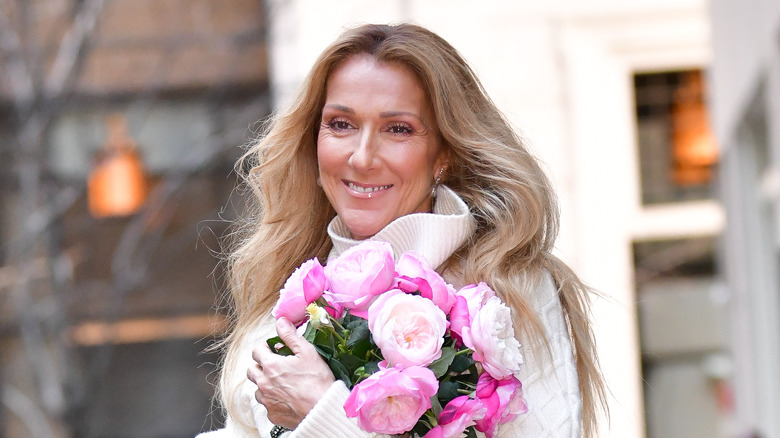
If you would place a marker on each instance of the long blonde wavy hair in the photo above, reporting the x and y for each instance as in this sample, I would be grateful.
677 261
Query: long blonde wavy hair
490 168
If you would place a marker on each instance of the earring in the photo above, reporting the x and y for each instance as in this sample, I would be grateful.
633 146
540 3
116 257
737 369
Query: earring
319 182
436 183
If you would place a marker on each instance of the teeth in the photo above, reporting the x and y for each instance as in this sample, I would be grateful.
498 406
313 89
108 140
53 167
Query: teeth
366 189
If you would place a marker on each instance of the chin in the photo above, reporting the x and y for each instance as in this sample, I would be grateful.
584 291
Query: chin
362 231
362 235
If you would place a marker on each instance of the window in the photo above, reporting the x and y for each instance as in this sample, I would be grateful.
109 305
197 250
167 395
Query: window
677 150
682 307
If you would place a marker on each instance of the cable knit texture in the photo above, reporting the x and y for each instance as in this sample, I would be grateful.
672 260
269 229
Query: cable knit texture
549 381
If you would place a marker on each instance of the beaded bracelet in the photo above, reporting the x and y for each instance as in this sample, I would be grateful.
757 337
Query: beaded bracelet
277 431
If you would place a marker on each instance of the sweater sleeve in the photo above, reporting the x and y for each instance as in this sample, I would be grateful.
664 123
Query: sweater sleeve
550 383
328 419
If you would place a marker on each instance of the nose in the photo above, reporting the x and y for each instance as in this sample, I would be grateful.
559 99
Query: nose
364 157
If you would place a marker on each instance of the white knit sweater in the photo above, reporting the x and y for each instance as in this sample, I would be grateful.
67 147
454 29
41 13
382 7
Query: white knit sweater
550 384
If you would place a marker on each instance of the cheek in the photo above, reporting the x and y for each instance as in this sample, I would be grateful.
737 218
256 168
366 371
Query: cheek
327 157
431 161
420 170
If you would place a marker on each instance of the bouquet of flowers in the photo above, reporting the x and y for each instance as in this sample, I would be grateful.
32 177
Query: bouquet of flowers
417 355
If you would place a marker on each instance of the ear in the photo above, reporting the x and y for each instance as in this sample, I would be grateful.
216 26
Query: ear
441 173
441 164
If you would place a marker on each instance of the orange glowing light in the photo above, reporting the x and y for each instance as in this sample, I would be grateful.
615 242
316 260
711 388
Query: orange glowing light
695 150
117 183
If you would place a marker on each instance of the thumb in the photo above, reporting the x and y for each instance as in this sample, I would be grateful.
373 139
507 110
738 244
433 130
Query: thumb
286 331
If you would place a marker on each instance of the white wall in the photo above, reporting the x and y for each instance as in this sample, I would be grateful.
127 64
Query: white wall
746 108
745 43
562 73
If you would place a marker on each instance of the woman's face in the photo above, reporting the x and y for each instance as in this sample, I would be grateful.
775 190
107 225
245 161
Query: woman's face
378 146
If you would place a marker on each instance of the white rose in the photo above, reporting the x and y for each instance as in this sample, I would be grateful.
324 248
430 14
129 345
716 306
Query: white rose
492 338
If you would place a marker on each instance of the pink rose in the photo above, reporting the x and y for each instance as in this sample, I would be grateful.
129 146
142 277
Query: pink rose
359 274
503 401
436 432
476 295
416 275
391 400
459 318
409 329
460 413
303 287
469 299
492 338
334 309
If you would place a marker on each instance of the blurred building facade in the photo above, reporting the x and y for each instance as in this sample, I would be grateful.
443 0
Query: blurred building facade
746 115
108 289
597 87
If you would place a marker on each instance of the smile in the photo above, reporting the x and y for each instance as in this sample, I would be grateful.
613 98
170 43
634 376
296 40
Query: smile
360 189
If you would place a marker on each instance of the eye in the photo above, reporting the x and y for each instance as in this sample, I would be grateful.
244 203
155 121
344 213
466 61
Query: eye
339 125
400 128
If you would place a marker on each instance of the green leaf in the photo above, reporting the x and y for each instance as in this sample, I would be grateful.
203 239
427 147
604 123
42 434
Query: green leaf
350 319
310 333
324 352
462 362
371 367
340 372
448 390
436 406
350 362
283 350
327 346
421 428
322 337
359 333
362 348
440 365
471 432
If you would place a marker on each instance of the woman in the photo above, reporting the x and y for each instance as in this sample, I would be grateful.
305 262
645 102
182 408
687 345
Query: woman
393 138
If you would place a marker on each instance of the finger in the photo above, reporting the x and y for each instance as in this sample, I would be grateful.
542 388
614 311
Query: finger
286 331
254 373
258 353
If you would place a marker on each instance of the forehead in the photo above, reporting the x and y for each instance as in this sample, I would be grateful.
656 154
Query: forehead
363 72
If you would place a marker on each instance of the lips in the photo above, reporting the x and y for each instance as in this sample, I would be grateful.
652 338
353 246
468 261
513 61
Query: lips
365 189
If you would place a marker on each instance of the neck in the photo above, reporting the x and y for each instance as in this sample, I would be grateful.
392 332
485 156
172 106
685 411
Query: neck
435 236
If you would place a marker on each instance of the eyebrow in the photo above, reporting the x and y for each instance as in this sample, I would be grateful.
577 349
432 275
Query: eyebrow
384 115
342 108
387 114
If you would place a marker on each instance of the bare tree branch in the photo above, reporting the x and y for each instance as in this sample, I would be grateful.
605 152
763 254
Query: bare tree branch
26 410
72 43
34 214
18 75
36 97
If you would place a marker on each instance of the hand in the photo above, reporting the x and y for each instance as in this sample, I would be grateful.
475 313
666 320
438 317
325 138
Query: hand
289 386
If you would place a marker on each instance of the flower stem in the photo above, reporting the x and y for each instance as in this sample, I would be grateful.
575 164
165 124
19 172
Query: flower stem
335 332
337 323
431 417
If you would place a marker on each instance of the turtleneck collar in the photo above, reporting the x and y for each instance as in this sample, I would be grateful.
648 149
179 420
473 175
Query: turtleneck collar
435 235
